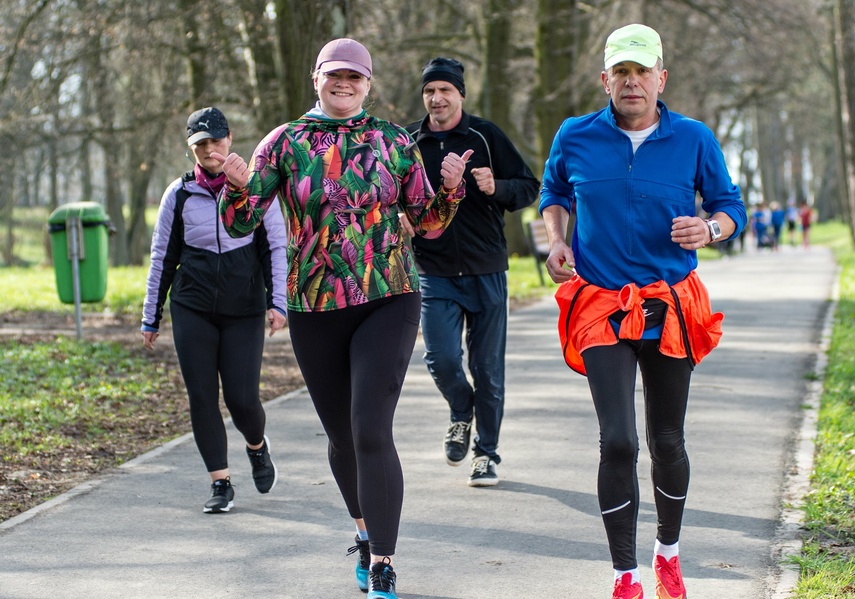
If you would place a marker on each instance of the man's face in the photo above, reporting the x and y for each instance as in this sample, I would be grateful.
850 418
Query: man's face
443 103
634 90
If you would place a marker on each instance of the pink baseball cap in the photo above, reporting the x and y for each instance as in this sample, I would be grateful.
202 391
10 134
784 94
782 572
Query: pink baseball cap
344 53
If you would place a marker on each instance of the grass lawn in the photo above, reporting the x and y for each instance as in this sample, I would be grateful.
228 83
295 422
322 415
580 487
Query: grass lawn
828 558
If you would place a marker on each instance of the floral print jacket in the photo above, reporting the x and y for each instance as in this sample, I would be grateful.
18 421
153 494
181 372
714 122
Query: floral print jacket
343 184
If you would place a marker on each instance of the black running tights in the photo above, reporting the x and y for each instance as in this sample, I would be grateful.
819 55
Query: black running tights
220 348
354 361
611 376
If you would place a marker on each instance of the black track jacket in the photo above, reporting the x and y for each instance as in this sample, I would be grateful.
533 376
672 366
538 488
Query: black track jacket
474 243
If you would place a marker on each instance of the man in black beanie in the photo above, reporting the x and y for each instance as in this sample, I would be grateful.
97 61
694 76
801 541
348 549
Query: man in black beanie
464 271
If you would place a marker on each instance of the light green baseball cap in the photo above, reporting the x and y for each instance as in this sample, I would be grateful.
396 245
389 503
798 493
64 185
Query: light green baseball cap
636 43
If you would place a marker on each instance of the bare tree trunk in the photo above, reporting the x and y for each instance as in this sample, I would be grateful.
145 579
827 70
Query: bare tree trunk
7 204
113 203
53 173
302 28
105 108
798 185
496 95
84 156
828 194
495 85
141 169
844 58
36 175
265 79
770 139
554 53
195 52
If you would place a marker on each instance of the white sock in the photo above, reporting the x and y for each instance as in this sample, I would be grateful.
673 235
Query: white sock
666 551
636 575
362 534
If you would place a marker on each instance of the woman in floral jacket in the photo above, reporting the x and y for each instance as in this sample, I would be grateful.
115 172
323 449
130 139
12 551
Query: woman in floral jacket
346 178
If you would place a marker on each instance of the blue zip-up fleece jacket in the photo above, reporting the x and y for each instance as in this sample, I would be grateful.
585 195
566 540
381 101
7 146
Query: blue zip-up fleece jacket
624 204
207 270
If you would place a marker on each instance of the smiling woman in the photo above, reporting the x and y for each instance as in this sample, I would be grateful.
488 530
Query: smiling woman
342 92
342 78
347 178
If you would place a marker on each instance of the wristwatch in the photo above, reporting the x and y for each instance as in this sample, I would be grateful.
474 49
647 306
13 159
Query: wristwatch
715 230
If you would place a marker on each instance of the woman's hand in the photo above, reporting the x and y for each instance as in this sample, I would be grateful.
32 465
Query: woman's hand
149 339
276 320
234 167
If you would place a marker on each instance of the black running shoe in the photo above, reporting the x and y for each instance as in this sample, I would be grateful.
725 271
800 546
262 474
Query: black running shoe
483 472
381 581
362 563
457 442
222 497
264 472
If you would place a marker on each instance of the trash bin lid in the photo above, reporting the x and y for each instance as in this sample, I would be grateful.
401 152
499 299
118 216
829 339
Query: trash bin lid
88 212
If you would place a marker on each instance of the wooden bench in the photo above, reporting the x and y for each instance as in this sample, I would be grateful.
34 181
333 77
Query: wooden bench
539 243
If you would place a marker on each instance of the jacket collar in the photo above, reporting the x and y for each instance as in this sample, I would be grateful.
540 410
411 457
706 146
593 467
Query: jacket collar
325 123
665 125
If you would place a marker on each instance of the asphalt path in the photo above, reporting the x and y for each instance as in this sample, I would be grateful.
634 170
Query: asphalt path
139 532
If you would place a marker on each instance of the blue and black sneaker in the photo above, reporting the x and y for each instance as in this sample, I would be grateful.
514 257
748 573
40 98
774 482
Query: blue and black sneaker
381 581
362 564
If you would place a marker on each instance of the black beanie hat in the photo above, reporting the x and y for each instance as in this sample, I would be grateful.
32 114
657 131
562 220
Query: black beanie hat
444 69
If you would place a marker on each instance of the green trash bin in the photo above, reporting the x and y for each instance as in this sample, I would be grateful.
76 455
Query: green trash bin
90 223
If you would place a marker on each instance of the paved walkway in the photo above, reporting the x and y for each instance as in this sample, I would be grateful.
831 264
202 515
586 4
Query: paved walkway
140 533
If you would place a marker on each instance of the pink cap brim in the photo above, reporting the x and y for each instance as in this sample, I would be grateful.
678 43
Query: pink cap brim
335 65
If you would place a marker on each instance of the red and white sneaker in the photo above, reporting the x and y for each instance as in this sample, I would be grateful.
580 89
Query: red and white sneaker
669 578
626 589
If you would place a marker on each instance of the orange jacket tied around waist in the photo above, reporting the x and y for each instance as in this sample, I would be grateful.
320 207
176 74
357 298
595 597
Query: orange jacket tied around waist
691 330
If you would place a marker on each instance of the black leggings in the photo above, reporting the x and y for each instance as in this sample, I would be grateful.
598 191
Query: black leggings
611 377
212 348
354 361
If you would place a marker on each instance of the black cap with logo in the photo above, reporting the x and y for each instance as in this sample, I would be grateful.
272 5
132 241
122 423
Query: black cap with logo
206 123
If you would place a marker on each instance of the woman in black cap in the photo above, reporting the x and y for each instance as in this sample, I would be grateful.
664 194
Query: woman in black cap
218 299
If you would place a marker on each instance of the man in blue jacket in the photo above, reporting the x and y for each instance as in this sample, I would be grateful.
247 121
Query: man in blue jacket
464 271
630 173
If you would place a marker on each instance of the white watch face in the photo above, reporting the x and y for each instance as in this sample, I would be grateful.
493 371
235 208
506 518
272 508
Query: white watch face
715 230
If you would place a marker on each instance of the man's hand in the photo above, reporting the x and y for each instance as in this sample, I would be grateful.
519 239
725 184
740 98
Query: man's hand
453 167
484 179
560 264
234 167
690 232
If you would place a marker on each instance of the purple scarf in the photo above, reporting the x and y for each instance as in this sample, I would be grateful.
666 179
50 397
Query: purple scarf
214 183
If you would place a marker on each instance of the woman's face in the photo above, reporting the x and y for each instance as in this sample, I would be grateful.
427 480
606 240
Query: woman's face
342 92
202 153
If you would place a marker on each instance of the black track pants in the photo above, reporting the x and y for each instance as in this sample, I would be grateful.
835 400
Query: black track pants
611 376
220 348
354 361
